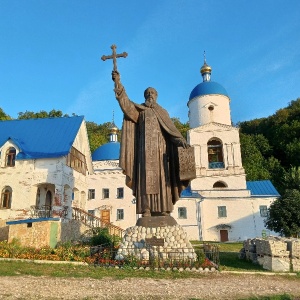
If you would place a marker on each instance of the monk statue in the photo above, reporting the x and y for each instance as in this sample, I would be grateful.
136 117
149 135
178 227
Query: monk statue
149 153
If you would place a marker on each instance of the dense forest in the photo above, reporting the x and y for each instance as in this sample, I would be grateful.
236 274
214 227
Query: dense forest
270 146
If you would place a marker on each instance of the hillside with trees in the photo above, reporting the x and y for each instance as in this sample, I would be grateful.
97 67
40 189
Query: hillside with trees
271 147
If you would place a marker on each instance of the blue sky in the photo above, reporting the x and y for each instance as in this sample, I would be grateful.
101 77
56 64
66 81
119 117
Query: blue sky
50 54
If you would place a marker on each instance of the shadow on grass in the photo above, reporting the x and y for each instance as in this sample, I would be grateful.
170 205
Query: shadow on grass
229 261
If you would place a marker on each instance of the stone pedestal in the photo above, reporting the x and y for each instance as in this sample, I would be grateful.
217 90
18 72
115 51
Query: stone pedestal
158 221
171 241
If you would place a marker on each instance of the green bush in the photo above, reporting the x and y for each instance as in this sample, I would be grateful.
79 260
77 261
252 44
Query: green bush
200 256
102 237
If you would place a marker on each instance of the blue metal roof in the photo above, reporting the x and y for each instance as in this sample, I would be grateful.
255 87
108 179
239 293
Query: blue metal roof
16 222
109 151
41 138
187 192
208 88
262 188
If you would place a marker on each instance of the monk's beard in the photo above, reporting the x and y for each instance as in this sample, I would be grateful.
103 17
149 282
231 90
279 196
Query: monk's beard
149 103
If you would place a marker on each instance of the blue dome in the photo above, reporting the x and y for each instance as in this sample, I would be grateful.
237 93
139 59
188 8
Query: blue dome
208 88
109 151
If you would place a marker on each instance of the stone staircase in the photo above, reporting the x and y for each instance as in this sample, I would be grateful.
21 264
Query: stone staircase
93 221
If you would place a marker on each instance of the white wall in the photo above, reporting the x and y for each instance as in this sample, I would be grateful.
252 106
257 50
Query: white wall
199 114
109 175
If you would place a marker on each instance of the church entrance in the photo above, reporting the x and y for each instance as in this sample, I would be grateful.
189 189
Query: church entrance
48 201
105 215
223 235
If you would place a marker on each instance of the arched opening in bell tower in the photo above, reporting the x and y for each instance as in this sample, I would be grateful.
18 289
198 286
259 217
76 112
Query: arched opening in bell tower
215 154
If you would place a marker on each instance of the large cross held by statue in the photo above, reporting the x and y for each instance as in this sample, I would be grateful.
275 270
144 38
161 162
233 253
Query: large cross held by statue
114 56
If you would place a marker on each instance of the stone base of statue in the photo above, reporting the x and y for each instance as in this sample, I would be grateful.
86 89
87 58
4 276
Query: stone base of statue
148 241
157 221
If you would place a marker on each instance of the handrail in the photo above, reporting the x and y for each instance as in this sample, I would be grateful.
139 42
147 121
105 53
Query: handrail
93 221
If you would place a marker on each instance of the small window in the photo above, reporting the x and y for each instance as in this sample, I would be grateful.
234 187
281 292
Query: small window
263 209
91 214
91 194
10 157
6 198
222 213
120 214
120 193
182 213
105 193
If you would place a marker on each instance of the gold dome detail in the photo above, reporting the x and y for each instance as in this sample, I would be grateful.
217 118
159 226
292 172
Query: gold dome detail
205 68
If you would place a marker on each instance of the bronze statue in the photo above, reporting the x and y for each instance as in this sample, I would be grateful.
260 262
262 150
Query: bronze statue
149 152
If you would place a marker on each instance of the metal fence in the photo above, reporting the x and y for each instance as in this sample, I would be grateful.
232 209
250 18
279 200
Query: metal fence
156 257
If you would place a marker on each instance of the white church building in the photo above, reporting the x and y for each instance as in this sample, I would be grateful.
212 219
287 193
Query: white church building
46 167
219 205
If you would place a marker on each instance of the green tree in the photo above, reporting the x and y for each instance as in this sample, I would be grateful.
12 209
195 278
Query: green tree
252 158
98 134
284 214
282 130
291 178
41 114
3 115
182 127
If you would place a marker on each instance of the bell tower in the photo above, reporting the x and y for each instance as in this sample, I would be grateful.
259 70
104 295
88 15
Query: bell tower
217 143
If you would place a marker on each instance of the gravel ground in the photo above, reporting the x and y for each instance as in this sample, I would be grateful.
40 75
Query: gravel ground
210 286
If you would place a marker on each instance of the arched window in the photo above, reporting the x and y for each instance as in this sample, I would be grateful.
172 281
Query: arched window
215 154
6 198
10 157
219 184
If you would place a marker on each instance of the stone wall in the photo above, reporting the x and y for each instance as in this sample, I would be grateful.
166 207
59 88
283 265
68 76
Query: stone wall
73 230
4 230
46 233
274 253
36 234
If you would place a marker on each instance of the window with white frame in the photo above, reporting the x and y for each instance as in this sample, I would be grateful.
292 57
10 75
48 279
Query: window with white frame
120 193
222 213
182 213
263 209
120 214
91 194
105 193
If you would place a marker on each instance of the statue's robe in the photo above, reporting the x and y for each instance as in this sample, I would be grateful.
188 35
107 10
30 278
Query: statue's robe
149 155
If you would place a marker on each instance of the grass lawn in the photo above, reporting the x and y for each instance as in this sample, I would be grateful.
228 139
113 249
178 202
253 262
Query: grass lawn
19 268
229 260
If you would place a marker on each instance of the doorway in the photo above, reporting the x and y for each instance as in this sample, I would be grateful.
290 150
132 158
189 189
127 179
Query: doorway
223 235
105 216
48 201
